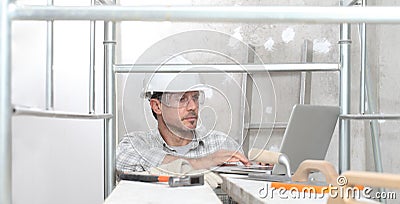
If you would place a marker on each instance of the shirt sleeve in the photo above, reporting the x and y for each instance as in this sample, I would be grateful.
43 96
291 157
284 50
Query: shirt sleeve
231 144
217 140
135 153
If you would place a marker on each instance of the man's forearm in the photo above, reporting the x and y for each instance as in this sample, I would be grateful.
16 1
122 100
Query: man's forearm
196 163
215 159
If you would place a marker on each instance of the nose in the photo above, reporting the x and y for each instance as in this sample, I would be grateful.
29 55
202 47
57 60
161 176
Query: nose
192 104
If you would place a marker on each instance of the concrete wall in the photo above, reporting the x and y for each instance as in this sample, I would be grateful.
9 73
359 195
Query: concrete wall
385 65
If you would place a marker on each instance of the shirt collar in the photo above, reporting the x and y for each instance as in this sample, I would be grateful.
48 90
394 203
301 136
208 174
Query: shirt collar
194 143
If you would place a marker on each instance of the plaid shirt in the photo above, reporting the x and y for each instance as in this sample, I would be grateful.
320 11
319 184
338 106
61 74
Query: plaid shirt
138 151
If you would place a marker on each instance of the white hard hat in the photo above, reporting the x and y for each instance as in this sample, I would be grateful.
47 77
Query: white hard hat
171 82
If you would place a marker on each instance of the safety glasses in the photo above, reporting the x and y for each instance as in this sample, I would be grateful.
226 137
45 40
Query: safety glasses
179 100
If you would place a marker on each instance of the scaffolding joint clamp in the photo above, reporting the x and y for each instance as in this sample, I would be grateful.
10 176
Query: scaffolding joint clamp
344 42
109 42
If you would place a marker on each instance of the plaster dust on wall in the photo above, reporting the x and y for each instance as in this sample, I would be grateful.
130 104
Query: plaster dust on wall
269 44
322 46
288 35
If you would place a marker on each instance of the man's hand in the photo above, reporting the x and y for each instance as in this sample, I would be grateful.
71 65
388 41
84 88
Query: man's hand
218 158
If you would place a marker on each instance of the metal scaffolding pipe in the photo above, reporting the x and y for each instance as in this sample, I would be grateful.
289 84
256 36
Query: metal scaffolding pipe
275 14
92 51
305 77
363 49
374 125
366 95
370 116
210 68
5 104
109 108
344 101
49 63
29 111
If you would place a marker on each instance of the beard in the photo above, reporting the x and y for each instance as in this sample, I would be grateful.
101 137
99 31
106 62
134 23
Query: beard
191 118
184 126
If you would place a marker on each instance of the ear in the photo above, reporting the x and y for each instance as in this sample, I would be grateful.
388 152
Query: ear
155 106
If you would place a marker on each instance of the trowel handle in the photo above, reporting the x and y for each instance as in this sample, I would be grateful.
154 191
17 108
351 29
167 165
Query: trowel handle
308 166
264 156
372 179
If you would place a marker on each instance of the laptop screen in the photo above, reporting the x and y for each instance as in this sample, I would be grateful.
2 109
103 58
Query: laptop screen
308 134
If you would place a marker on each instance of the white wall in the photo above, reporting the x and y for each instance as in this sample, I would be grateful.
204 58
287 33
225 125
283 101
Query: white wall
56 160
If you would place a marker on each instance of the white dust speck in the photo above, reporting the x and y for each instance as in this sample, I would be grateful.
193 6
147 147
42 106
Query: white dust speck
269 44
288 35
321 46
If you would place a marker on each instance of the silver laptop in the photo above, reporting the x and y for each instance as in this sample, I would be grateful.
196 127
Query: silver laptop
307 136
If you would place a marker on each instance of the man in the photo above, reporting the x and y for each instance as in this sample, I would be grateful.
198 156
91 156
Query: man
175 100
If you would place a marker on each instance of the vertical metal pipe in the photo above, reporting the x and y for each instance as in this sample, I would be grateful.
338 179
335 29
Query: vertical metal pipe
92 65
345 84
363 48
375 146
305 77
366 95
109 107
366 91
49 63
5 104
374 129
344 100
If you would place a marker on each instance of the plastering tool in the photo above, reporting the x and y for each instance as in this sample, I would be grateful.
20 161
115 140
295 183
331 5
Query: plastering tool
264 156
173 181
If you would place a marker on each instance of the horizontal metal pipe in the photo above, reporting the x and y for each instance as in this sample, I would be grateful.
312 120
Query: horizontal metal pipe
29 111
129 68
275 14
371 116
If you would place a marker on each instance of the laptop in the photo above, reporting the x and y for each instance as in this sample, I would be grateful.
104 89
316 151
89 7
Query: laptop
307 136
